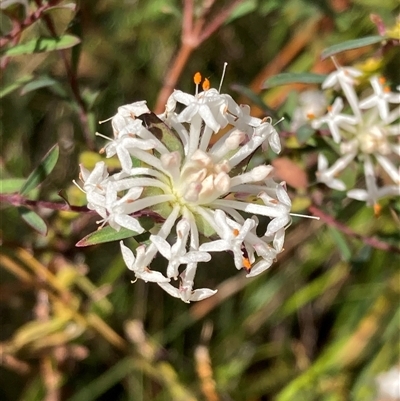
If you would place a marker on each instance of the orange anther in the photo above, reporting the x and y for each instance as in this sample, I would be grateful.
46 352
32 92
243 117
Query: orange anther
235 232
197 78
382 80
386 89
206 84
246 264
329 108
377 209
310 116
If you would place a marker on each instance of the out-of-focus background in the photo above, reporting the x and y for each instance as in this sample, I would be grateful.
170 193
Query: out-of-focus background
322 324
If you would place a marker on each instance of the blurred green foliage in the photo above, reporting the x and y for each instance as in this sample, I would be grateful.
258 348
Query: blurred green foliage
320 325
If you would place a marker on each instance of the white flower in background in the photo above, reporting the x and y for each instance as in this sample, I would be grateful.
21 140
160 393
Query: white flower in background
367 131
311 104
190 168
388 384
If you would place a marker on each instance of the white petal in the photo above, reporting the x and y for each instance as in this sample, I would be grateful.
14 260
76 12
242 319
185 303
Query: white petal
124 158
261 266
215 246
170 289
127 255
162 245
202 293
152 276
129 222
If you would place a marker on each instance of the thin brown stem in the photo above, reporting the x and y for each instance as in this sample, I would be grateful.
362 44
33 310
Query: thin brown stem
218 20
172 77
19 200
371 241
193 35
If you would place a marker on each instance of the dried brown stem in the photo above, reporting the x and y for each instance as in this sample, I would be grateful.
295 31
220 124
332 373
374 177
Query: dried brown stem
205 373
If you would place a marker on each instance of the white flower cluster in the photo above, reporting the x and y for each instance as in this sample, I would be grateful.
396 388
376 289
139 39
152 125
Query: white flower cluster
188 165
370 135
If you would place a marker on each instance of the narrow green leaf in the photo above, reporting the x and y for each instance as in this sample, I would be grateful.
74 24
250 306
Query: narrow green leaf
15 85
242 9
42 171
106 234
41 82
341 243
350 45
33 219
11 185
41 45
69 6
294 77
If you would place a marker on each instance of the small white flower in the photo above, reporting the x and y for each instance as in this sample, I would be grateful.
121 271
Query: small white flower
116 212
381 98
335 120
327 175
346 78
185 291
205 106
232 236
312 104
372 194
177 254
282 204
369 136
388 384
136 264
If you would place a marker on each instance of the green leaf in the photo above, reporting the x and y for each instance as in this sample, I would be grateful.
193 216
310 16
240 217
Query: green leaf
304 133
41 82
350 45
33 219
11 185
294 77
242 9
162 132
341 243
15 85
108 234
41 45
42 171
